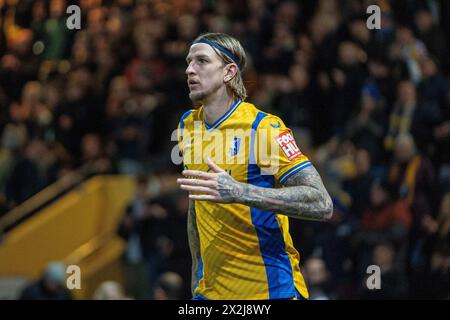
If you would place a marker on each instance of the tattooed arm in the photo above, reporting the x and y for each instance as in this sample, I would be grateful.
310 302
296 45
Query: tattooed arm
304 197
194 244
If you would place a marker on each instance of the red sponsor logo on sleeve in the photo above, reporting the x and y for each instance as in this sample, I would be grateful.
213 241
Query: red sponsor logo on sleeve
288 145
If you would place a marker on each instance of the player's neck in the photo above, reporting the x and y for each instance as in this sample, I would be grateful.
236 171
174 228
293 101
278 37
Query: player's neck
216 105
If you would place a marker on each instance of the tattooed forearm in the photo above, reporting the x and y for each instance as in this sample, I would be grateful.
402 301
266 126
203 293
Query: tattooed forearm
229 189
194 244
304 197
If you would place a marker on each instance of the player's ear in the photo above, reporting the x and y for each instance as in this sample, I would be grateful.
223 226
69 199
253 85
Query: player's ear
229 71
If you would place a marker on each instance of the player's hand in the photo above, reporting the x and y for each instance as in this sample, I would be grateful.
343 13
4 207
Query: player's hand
217 186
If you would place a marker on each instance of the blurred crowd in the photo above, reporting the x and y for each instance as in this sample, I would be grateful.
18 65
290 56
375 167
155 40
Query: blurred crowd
370 108
51 285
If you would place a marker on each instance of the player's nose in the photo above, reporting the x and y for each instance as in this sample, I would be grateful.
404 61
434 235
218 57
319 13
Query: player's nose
190 69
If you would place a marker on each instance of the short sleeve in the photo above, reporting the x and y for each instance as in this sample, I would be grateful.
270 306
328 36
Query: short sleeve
277 152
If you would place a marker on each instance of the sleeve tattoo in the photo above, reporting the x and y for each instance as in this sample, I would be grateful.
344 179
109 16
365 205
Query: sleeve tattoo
304 196
194 244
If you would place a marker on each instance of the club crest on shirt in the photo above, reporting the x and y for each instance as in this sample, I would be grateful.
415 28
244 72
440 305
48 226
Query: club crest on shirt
235 144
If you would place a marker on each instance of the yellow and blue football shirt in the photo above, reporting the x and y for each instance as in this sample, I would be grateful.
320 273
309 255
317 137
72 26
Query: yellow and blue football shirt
246 253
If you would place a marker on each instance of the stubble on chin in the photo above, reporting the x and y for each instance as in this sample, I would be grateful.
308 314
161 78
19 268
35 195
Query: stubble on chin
196 97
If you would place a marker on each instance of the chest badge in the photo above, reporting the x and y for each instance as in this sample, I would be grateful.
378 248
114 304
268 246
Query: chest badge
234 148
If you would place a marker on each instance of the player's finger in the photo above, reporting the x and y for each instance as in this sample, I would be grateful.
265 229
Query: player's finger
203 190
197 182
213 166
197 174
204 198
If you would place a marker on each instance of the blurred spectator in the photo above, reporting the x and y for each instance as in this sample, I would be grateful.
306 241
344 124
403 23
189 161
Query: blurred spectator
411 50
387 218
431 35
132 140
347 78
18 65
358 186
12 140
129 229
434 281
443 221
367 127
110 290
393 281
415 177
146 228
169 287
51 285
409 116
317 278
29 175
434 86
94 156
78 114
180 258
294 103
147 71
434 89
438 280
381 83
54 32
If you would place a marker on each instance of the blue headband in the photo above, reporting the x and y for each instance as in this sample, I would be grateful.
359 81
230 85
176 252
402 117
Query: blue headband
221 49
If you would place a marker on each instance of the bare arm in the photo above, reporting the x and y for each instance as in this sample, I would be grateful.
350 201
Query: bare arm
194 244
305 196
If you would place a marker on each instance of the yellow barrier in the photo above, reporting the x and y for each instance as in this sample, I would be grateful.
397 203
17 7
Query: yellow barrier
85 217
99 260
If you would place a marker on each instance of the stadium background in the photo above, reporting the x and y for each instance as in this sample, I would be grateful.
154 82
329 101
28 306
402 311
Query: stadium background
86 118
